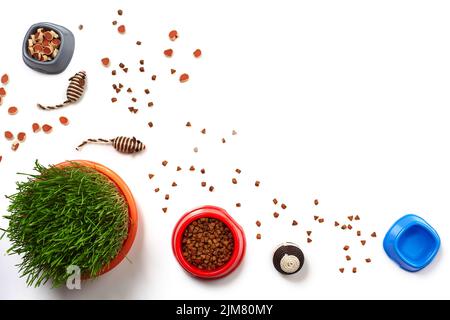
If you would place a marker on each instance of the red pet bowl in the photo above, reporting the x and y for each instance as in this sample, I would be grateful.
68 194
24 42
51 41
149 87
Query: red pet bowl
238 237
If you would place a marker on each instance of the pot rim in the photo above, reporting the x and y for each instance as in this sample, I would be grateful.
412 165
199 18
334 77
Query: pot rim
132 209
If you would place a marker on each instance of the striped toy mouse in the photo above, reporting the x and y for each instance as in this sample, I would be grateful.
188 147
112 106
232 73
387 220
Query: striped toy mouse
75 91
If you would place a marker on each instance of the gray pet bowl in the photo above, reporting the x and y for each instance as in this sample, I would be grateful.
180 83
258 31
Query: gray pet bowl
62 59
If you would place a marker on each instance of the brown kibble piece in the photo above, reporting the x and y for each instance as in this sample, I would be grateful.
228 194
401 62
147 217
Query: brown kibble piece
316 217
258 223
21 136
203 184
341 270
147 91
35 127
195 149
294 222
346 248
150 124
234 181
156 189
354 270
47 128
321 220
114 23
211 189
350 218
64 121
121 29
125 70
316 202
344 227
173 35
373 234
203 131
80 27
119 12
357 217
113 72
167 197
154 77
174 184
105 62
121 65
9 135
129 90
164 209
257 183
178 168
172 71
234 132
188 124
358 233
309 240
238 205
12 110
202 171
258 236
363 242
150 104
184 77
336 224
5 79
348 258
349 227
275 201
368 260
308 232
197 53
283 206
2 92
223 140
113 99
138 43
191 168
151 175
276 214
164 163
142 69
15 146
238 171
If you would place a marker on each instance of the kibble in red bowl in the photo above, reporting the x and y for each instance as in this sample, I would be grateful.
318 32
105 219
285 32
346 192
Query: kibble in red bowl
208 243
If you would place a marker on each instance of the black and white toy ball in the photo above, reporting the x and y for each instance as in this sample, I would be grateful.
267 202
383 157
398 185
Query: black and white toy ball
288 258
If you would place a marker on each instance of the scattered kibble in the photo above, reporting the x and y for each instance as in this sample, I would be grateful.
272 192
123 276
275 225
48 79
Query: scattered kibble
234 132
113 72
178 168
164 209
363 242
368 260
202 171
357 217
203 131
151 175
276 214
106 62
321 220
173 35
168 53
348 258
294 222
147 91
36 127
316 217
150 104
309 240
197 53
154 77
138 43
173 71
21 136
156 190
344 227
341 270
114 23
47 128
174 184
142 69
234 181
150 124
191 168
346 248
211 189
223 140
238 205
373 234
275 201
164 163
119 12
258 223
12 110
4 79
283 206
184 77
121 29
196 149
350 218
113 99
358 233
188 124
336 224
9 135
15 146
80 27
308 233
258 236
203 184
64 121
257 183
167 197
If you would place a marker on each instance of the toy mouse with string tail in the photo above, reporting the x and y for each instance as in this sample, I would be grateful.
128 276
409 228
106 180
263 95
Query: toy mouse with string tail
75 91
121 144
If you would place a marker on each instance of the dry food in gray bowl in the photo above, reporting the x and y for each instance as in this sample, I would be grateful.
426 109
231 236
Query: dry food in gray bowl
50 50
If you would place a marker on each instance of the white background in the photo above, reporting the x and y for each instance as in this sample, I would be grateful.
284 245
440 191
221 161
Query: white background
343 101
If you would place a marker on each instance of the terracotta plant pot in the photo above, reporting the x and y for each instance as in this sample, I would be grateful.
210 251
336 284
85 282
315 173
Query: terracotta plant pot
132 209
221 215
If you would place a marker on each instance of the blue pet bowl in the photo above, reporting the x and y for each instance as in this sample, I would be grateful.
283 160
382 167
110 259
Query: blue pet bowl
412 243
